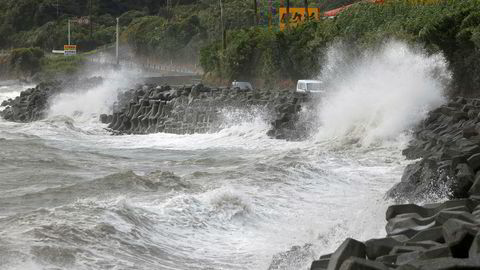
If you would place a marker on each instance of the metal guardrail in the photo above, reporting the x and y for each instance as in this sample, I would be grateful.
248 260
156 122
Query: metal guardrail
148 66
102 56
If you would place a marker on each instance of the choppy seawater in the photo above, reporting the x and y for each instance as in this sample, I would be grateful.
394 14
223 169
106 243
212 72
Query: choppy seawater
74 197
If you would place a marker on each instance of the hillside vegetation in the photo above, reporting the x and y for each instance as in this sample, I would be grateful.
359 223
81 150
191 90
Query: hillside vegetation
449 26
190 31
149 26
41 23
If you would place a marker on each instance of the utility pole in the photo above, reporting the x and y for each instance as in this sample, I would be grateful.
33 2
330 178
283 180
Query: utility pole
224 34
255 8
90 21
57 9
307 17
288 12
270 14
68 31
116 52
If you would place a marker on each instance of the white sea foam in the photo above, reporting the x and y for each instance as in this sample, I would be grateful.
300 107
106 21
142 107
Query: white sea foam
89 104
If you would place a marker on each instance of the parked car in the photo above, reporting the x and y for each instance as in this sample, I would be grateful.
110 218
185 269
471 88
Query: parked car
242 86
310 86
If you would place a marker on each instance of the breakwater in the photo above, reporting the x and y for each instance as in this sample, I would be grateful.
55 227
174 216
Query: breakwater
433 236
198 109
33 103
153 108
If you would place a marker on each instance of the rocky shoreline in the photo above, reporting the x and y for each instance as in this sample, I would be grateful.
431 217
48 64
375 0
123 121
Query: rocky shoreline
32 104
433 236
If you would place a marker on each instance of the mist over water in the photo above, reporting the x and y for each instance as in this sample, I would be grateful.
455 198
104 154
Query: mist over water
74 197
90 103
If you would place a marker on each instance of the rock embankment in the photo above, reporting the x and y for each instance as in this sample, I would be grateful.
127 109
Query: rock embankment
32 104
448 146
200 109
434 236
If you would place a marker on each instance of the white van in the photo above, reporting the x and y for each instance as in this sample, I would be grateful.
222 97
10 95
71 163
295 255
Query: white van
310 86
242 85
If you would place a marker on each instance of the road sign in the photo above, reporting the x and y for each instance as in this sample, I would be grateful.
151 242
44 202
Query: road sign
70 49
81 20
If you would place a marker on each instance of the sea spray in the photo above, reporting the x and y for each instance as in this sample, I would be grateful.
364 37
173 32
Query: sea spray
380 94
89 104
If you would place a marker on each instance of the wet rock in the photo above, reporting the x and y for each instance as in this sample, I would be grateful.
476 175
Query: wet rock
442 264
104 118
349 248
31 104
448 144
435 252
362 264
420 179
474 162
321 264
464 180
452 243
380 247
459 236
434 234
199 109
475 188
474 251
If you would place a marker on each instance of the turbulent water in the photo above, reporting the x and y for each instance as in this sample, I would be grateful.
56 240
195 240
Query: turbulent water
74 197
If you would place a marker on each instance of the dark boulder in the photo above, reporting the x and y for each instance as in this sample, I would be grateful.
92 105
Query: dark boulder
104 119
362 264
474 162
349 248
421 179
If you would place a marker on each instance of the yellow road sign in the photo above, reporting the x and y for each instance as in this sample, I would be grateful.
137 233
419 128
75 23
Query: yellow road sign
297 16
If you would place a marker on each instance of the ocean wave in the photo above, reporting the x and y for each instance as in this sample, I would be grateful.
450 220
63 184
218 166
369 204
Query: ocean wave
380 94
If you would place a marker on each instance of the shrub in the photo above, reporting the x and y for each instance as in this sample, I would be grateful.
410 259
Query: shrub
449 26
25 61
